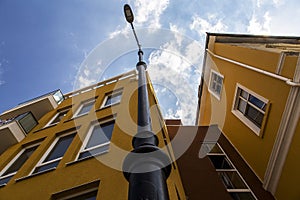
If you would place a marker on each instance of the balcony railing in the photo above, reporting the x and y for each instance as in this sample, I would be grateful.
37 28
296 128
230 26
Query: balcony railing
15 129
37 106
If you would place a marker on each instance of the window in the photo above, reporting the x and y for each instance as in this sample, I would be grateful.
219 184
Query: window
229 175
83 192
87 196
54 154
112 99
97 140
11 169
250 108
215 84
84 108
57 118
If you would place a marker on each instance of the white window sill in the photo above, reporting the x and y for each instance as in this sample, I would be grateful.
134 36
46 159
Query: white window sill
35 174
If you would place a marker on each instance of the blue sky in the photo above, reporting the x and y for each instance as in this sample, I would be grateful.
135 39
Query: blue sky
89 40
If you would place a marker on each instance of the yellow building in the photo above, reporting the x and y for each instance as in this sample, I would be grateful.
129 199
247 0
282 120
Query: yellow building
250 89
72 146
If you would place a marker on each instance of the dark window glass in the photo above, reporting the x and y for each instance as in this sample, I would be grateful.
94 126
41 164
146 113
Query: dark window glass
5 180
113 99
101 134
242 106
241 196
46 167
59 117
56 154
20 161
220 162
232 180
94 152
87 196
254 115
60 147
258 103
86 108
244 94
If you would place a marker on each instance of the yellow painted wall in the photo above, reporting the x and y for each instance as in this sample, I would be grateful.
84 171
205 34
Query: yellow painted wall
254 149
113 185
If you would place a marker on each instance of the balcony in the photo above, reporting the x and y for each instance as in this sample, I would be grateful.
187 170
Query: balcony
15 129
37 106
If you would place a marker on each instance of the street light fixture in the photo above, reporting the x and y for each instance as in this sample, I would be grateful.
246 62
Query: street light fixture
146 167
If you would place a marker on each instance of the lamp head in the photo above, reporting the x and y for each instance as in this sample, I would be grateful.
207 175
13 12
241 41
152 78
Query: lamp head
128 13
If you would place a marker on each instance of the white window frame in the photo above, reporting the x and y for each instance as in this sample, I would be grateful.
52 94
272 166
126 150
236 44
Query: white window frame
49 150
55 116
81 106
13 161
257 130
210 88
88 135
109 95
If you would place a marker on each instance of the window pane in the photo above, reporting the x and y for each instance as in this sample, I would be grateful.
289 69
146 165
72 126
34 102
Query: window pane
60 147
46 167
212 148
219 79
257 102
241 196
20 161
58 96
242 105
218 89
86 108
59 117
220 162
5 180
244 94
101 134
113 99
94 152
254 115
232 180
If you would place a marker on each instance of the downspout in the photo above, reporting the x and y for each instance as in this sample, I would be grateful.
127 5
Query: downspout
285 134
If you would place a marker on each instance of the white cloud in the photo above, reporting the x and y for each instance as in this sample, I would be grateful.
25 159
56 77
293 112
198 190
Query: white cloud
173 67
149 12
260 25
213 24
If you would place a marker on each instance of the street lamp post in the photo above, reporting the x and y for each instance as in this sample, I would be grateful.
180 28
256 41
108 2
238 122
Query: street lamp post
146 167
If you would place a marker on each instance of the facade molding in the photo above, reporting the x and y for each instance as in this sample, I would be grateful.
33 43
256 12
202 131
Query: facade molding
273 75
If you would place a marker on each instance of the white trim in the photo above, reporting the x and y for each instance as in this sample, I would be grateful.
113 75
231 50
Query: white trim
218 96
239 115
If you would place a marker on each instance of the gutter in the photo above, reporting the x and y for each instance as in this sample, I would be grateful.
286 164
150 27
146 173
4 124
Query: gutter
288 81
